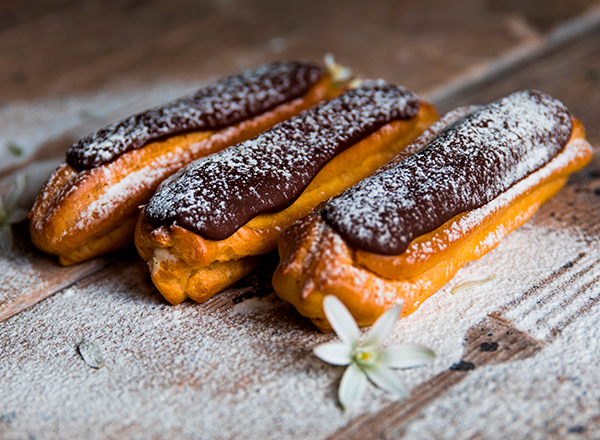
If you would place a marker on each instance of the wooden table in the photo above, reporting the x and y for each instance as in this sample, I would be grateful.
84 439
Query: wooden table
241 365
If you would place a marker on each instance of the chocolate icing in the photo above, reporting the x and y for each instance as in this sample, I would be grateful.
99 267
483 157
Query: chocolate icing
215 196
227 102
466 166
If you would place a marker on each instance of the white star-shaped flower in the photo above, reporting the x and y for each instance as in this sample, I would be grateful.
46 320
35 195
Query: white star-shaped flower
368 359
340 75
10 213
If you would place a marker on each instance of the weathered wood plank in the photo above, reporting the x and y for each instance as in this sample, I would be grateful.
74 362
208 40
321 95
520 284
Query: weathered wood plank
493 340
29 276
569 71
15 14
90 117
47 53
93 45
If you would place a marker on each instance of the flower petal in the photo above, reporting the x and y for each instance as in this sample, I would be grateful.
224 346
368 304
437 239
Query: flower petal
336 353
352 387
387 380
406 356
341 320
384 326
472 284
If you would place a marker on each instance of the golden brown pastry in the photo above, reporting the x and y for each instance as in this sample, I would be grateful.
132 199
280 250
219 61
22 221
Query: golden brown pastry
89 206
208 225
405 232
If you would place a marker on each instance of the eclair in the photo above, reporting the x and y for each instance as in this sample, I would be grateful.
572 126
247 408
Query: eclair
208 225
90 204
403 233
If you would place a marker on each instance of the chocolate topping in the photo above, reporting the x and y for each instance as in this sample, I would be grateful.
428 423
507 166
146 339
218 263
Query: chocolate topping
227 102
466 166
216 195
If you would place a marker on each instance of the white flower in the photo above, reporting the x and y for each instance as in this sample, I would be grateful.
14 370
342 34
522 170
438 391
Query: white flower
367 359
10 213
469 285
340 75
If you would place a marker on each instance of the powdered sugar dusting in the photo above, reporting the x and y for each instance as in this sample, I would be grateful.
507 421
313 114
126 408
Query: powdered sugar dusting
469 222
117 194
227 102
466 166
17 271
214 196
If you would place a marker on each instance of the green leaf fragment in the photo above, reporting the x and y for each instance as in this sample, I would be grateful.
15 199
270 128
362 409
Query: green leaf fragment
91 354
14 149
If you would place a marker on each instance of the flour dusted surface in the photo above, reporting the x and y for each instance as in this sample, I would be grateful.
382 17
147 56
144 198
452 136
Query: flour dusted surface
214 196
227 102
466 166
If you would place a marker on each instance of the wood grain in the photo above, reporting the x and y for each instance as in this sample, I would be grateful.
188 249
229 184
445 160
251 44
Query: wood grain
494 340
569 71
81 46
31 276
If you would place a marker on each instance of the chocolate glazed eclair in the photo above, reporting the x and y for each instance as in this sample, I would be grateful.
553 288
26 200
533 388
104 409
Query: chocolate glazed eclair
208 225
89 206
405 232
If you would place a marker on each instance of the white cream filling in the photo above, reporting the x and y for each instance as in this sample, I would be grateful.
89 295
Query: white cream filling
160 255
